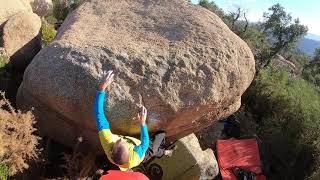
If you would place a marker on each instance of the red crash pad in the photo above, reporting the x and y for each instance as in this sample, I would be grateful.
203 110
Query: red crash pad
238 153
121 175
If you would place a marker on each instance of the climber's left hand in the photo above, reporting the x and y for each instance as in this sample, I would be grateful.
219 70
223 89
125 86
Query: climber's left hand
107 82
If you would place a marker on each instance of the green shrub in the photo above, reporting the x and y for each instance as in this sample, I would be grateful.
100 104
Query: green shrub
51 19
4 172
283 110
61 8
48 33
311 71
3 61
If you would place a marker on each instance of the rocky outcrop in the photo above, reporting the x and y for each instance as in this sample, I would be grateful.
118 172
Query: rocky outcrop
208 136
21 38
187 162
19 31
282 63
179 60
9 8
41 7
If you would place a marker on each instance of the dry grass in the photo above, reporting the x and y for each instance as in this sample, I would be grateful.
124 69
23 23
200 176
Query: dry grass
18 144
79 165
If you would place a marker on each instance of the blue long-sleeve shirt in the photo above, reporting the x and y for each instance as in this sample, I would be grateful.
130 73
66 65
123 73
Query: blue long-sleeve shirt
107 139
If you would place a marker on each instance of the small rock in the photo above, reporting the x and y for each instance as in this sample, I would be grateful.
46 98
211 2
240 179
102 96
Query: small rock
188 161
41 7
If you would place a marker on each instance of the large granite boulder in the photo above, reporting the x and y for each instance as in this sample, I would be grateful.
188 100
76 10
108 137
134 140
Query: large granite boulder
9 8
179 60
21 38
188 162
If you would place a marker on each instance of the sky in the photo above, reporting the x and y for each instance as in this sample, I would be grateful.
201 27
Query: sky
308 11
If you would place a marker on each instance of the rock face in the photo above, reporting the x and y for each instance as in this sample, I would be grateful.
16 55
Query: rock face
187 162
19 31
41 7
179 60
21 38
282 63
208 136
9 8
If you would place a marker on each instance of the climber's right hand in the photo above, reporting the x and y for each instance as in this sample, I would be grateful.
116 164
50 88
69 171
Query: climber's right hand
106 83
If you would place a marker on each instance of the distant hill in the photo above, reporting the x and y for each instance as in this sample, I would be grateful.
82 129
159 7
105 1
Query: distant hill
313 36
309 43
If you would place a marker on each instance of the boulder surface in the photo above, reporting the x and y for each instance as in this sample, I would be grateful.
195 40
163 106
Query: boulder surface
9 8
21 38
179 60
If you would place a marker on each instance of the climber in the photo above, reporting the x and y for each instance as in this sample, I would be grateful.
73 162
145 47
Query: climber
231 127
123 151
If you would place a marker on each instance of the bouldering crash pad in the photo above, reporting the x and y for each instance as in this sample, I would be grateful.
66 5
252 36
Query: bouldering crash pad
242 153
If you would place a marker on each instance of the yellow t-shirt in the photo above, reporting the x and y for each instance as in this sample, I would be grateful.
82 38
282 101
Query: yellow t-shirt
107 140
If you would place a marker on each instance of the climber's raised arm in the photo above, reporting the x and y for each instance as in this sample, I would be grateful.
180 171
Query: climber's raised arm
101 120
143 147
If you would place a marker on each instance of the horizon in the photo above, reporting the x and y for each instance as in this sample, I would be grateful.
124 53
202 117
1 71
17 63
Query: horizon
306 12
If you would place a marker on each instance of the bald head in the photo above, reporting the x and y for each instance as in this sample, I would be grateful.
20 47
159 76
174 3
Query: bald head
120 152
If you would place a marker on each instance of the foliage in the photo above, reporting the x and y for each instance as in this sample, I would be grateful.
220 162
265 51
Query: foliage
61 8
212 6
297 57
18 145
10 78
51 20
317 55
283 110
311 72
282 31
3 66
257 41
48 33
77 164
250 33
278 33
3 61
4 172
255 38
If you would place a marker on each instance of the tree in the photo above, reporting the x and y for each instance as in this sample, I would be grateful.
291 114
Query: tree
282 31
213 7
278 32
317 55
235 24
232 19
297 57
251 33
257 41
311 71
